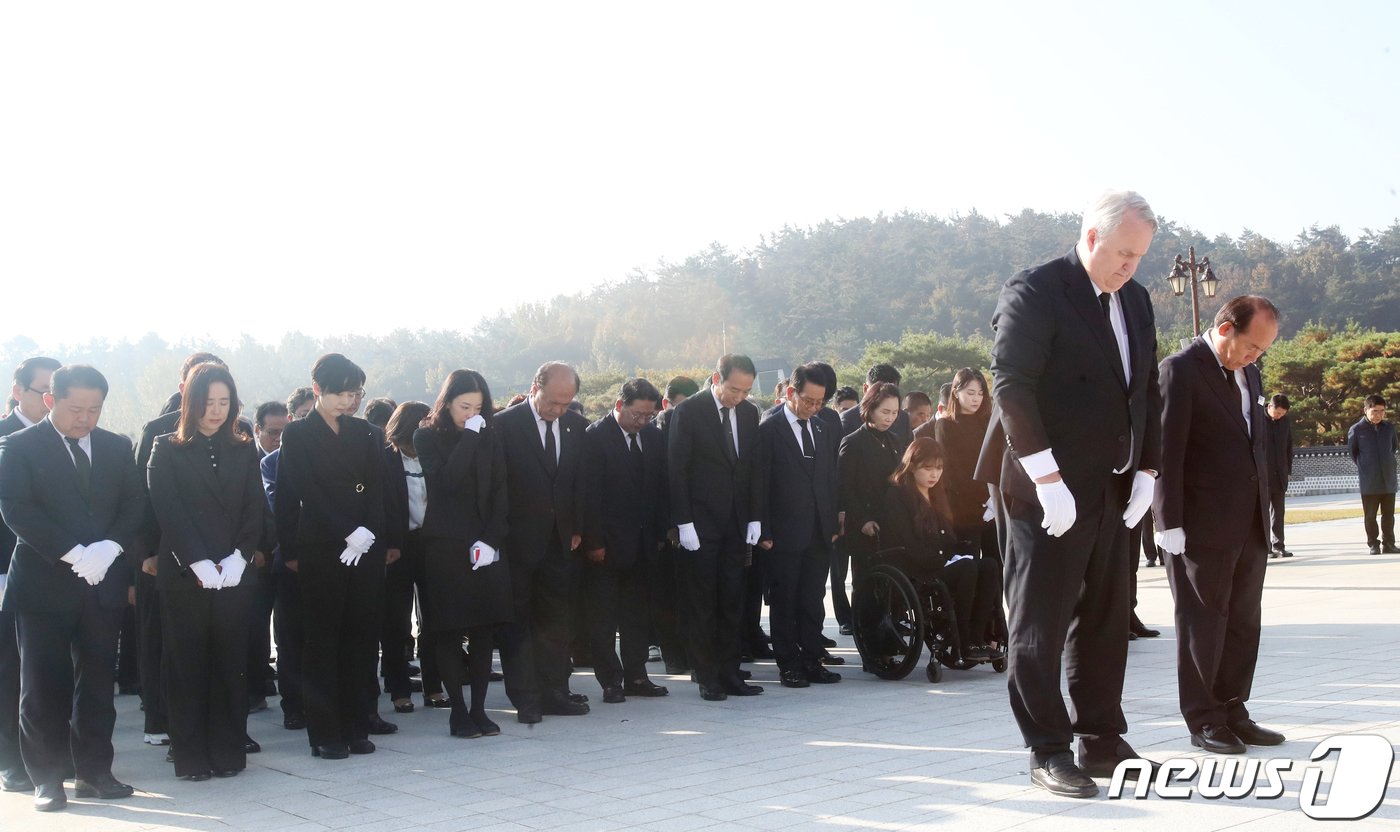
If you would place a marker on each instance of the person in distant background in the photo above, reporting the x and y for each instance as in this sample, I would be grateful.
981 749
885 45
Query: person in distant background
378 411
919 408
945 392
1373 444
301 401
1280 435
666 596
407 493
269 420
846 398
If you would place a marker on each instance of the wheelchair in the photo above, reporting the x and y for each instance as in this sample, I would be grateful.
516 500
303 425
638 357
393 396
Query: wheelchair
893 616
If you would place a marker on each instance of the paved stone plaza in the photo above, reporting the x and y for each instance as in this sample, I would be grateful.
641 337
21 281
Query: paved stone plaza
862 755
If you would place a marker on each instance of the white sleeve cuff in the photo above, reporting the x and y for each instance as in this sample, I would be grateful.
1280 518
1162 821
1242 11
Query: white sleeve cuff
73 554
1040 464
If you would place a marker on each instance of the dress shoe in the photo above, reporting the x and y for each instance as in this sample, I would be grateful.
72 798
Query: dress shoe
745 674
653 654
1388 549
643 687
677 668
1059 775
16 781
226 773
562 706
488 728
1143 631
828 642
378 727
334 751
415 670
431 702
1217 739
250 745
105 787
1252 733
528 715
49 797
1275 555
740 688
294 722
827 658
846 630
821 676
580 698
415 685
1101 759
1132 636
612 695
713 694
197 778
462 726
403 706
361 747
1286 553
793 679
1375 550
978 653
496 676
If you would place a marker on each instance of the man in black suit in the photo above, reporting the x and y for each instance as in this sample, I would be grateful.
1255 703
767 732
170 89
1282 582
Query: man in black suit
710 455
796 501
544 446
626 470
1212 507
32 378
1279 428
74 500
666 598
1073 446
850 419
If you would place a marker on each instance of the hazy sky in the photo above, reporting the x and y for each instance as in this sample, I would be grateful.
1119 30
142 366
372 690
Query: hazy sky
200 169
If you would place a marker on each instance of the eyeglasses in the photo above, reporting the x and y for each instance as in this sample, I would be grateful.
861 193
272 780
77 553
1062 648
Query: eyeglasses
37 392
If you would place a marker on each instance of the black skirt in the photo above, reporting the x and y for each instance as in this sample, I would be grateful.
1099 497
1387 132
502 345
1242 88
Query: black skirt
457 597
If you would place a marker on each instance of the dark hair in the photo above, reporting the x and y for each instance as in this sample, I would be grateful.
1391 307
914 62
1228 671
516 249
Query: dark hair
875 395
918 398
518 398
639 388
457 383
945 392
29 367
731 362
963 378
1280 401
195 359
548 369
267 409
334 373
828 377
885 373
576 406
923 452
398 431
299 397
195 401
1371 401
378 411
77 376
846 394
806 374
681 386
1240 311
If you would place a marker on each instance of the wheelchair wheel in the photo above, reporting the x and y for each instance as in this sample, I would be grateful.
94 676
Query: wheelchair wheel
999 665
934 672
887 622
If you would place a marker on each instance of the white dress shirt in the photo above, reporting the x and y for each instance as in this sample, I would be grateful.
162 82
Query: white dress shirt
733 418
797 427
85 443
1241 381
417 491
23 420
541 426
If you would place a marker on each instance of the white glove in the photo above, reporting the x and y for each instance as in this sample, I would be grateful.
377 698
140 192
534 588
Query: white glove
754 530
690 541
1058 505
97 559
207 573
483 555
360 540
988 513
475 424
350 557
1141 498
1172 541
231 568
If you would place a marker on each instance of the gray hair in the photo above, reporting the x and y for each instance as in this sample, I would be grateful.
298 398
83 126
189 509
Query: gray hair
549 368
1106 212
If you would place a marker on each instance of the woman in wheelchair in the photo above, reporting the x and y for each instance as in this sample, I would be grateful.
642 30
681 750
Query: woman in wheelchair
917 535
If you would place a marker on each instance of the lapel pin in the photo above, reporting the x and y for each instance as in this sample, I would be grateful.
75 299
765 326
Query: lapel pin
1261 401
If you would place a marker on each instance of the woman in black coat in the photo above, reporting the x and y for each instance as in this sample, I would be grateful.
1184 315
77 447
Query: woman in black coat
914 518
868 457
208 499
465 526
960 432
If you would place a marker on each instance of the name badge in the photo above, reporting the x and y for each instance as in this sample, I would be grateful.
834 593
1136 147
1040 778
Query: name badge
1261 401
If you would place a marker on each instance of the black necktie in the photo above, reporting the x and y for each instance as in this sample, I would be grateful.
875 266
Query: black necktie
809 450
729 450
1104 301
83 465
1235 389
635 446
551 456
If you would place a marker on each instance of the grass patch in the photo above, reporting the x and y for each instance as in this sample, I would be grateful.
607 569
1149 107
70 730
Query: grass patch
1315 515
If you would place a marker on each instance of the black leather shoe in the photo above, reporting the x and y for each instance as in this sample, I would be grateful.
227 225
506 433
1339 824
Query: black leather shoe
15 781
1132 636
828 642
821 676
1217 739
793 679
846 630
1375 550
334 751
197 778
740 688
1275 555
562 706
644 687
1385 550
462 726
1286 553
579 698
1252 733
713 694
1059 775
294 722
488 728
528 715
827 658
403 706
745 674
50 797
378 727
250 745
1143 631
612 695
105 787
361 747
1101 759
429 702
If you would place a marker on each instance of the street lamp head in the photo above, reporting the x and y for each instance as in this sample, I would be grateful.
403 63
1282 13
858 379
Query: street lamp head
1209 281
1177 278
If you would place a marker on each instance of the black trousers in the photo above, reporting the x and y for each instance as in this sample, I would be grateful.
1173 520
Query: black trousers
151 654
1276 520
128 650
714 578
535 649
666 602
264 587
11 764
1384 532
1068 606
1217 593
975 587
206 650
617 606
288 622
341 610
840 567
397 630
797 608
65 699
751 635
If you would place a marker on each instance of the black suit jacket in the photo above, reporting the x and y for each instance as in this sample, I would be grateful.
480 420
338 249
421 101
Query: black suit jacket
1214 480
865 469
203 512
1059 383
337 480
826 416
851 422
542 507
10 424
627 511
40 502
796 498
467 490
1280 433
706 488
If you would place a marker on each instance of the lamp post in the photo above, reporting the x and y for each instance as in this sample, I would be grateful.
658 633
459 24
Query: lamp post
1184 270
